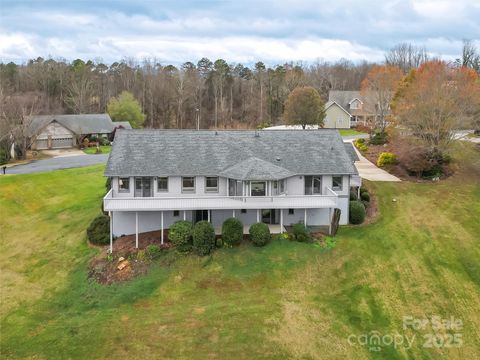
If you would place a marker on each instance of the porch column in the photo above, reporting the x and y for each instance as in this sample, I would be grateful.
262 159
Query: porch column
258 215
305 218
111 231
281 221
358 193
184 215
136 229
208 215
233 213
161 227
329 221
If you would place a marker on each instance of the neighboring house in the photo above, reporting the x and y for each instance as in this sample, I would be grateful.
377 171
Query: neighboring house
360 108
336 117
277 177
66 131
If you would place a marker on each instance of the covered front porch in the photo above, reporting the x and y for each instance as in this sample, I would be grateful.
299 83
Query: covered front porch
274 229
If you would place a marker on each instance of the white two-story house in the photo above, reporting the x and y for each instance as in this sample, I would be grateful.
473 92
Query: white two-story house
277 177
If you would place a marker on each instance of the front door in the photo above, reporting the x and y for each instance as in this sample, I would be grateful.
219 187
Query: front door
143 187
268 216
201 215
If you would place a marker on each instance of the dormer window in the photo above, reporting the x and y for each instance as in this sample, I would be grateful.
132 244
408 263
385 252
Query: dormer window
355 104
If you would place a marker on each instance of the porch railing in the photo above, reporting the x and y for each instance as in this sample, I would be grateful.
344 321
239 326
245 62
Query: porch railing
201 202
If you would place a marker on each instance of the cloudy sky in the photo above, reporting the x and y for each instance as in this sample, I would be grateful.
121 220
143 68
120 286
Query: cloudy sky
238 31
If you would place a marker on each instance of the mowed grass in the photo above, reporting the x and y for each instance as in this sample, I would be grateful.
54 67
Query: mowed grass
286 300
350 132
93 150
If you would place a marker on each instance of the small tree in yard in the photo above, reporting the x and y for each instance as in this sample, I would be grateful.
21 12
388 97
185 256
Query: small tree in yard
98 232
203 238
304 106
125 107
232 231
379 86
435 100
180 234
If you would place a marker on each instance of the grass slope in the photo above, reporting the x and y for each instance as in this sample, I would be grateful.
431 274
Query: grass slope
285 300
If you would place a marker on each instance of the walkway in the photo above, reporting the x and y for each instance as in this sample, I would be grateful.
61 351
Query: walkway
369 171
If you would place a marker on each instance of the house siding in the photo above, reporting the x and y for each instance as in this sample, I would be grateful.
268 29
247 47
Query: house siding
336 118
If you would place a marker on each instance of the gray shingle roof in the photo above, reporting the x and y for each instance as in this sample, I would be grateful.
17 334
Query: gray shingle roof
256 169
80 124
189 152
351 151
343 99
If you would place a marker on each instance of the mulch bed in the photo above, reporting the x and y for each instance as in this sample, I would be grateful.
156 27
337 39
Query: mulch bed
374 152
124 264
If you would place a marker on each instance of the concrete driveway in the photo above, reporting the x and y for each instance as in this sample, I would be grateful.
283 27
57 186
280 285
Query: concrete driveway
369 171
57 163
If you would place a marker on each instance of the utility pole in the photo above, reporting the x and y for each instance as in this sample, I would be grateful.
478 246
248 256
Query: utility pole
197 113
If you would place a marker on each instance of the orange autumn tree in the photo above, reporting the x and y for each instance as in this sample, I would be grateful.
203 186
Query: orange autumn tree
436 100
378 87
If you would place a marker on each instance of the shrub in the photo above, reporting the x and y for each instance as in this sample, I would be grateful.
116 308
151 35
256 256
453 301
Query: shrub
357 212
301 233
85 142
99 230
365 196
259 234
4 156
360 141
363 190
366 204
232 231
180 234
420 160
386 158
353 195
203 238
360 145
379 138
330 242
108 184
153 251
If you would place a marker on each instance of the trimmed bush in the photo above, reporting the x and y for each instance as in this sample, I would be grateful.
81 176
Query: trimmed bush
98 232
366 204
357 212
378 139
386 158
301 233
232 231
360 145
153 251
180 234
203 238
363 190
353 195
365 196
259 234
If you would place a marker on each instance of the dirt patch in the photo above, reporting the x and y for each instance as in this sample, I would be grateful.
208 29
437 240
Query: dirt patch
126 261
371 213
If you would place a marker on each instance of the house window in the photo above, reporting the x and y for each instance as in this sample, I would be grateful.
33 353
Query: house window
258 188
211 184
313 185
176 213
162 184
188 184
124 185
243 211
337 183
291 211
235 187
278 187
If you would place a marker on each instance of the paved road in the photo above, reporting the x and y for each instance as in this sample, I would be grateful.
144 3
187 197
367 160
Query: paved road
57 163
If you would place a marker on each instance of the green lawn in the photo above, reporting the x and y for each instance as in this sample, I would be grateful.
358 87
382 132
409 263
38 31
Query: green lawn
350 132
93 150
287 300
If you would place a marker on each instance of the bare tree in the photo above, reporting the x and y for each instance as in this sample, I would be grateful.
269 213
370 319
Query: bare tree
406 56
